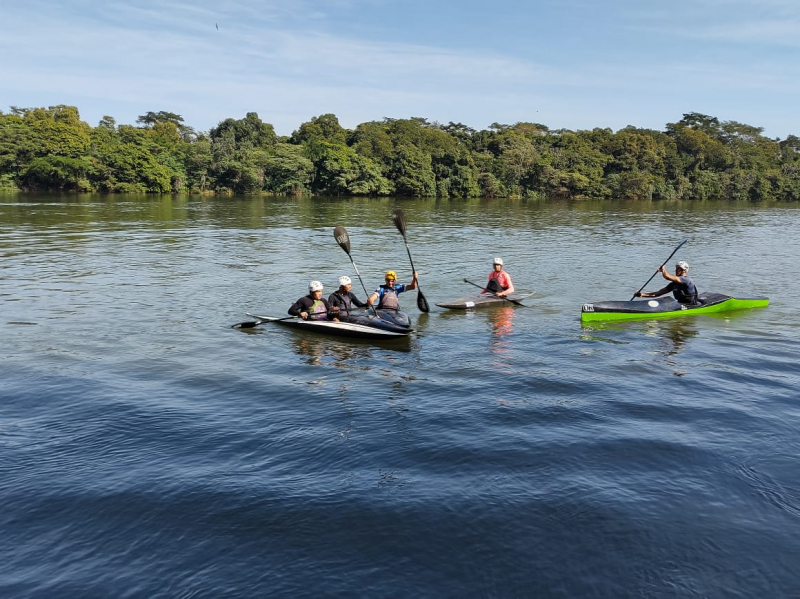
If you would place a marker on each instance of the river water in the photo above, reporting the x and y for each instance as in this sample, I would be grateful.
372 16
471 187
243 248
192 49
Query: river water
149 450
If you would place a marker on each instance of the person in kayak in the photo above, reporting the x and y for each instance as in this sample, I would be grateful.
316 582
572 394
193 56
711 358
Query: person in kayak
343 300
682 287
386 294
499 281
313 306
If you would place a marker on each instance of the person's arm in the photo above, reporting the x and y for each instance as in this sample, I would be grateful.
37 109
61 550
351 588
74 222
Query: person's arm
356 302
413 284
669 277
510 286
658 293
300 308
373 298
330 312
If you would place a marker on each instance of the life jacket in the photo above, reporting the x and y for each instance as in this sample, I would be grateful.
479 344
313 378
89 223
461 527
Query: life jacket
343 301
317 311
388 299
686 292
495 284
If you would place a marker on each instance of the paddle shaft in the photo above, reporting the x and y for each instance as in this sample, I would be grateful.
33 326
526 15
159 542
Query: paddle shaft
253 324
343 239
502 297
660 267
400 223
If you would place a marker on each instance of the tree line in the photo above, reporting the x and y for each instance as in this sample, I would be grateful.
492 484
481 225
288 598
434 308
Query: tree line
698 157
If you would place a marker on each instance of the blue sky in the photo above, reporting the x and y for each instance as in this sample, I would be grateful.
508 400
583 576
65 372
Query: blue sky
574 65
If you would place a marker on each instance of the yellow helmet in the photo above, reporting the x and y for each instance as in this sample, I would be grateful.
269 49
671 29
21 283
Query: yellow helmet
390 274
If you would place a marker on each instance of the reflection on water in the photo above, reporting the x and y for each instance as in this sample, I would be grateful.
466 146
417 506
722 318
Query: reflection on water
343 352
502 321
674 334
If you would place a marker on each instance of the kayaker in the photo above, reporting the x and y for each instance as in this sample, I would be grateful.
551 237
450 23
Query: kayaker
682 287
499 280
313 306
343 299
386 294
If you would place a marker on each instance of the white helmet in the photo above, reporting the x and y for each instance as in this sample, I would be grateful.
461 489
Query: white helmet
345 280
683 265
498 261
315 286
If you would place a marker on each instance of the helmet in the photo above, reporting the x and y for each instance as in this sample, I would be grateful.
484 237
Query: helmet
683 265
315 286
390 274
498 261
345 280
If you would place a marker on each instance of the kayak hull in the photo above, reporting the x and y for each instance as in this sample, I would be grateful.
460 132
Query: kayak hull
391 320
479 301
366 327
666 307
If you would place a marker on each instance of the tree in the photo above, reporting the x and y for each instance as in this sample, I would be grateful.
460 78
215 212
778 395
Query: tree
412 173
323 128
59 130
244 134
58 172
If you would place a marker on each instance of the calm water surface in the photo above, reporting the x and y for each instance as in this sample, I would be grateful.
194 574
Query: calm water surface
149 450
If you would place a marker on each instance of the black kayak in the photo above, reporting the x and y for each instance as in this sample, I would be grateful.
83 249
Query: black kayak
482 301
387 319
360 325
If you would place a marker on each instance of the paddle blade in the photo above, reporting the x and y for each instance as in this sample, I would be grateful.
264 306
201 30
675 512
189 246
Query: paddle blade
246 325
399 221
342 238
422 303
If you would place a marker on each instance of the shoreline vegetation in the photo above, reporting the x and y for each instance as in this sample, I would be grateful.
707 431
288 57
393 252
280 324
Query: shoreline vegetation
696 158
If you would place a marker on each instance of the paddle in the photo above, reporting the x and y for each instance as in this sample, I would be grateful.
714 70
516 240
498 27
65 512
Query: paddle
253 324
660 267
343 239
400 222
503 297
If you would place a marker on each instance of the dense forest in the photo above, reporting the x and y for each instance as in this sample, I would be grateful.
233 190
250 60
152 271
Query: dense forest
698 157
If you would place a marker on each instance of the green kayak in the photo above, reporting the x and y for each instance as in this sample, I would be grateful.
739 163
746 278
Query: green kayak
666 307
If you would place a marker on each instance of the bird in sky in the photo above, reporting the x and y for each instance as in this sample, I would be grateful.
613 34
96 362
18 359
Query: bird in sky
217 26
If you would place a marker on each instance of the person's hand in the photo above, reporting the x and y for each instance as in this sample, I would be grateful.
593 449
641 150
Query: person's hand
304 315
637 294
660 269
415 276
335 320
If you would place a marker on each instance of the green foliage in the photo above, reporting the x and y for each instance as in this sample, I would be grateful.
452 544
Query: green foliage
58 172
323 128
411 169
18 144
340 171
288 171
242 135
698 157
59 130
